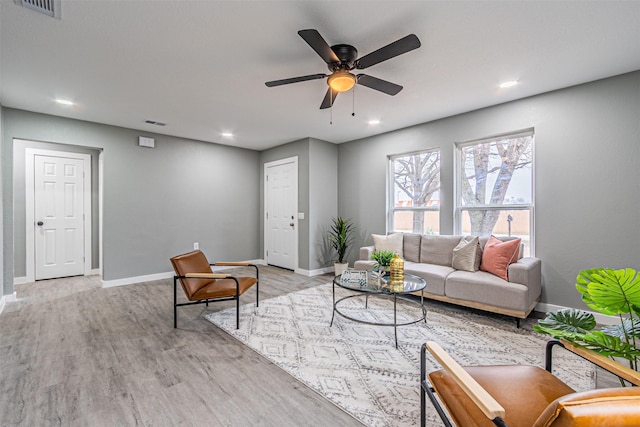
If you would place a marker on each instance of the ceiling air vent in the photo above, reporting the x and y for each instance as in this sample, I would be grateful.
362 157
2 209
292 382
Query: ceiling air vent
47 7
154 122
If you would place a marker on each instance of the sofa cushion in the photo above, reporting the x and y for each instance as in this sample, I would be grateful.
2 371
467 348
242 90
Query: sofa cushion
391 242
486 288
411 247
485 239
467 254
497 255
434 275
437 249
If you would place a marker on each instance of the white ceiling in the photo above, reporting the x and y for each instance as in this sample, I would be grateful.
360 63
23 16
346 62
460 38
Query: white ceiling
200 66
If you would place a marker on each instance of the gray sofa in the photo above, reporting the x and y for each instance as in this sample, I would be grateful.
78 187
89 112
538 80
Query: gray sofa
430 257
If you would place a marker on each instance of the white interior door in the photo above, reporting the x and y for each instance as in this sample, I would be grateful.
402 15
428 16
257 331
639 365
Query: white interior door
281 206
59 216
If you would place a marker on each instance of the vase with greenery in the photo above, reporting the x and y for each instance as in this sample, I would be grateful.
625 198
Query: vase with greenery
610 292
340 237
382 258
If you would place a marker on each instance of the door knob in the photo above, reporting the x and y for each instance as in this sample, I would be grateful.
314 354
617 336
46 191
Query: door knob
39 223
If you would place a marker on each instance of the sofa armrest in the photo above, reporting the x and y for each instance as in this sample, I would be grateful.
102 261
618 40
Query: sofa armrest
527 271
365 252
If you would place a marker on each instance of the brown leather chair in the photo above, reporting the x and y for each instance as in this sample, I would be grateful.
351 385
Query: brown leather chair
526 396
202 286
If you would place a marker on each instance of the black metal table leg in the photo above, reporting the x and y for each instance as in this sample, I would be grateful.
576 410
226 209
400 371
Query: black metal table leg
333 314
395 321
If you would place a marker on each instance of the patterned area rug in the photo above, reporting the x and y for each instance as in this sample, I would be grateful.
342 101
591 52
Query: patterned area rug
357 367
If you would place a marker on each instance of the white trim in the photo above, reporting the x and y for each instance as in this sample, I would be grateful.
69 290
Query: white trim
160 276
100 209
600 318
136 279
20 280
312 273
29 155
7 298
266 166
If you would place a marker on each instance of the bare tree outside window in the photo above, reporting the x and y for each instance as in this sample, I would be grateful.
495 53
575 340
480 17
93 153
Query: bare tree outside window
495 184
416 192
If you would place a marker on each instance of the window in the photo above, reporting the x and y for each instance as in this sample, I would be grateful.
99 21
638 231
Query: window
414 199
495 187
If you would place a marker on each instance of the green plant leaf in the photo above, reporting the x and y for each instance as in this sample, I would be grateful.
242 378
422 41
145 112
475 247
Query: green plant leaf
627 328
341 235
611 346
567 323
382 257
611 292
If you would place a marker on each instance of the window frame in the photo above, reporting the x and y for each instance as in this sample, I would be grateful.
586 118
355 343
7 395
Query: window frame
391 208
459 208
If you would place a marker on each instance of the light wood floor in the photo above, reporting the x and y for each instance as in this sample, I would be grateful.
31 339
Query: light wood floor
73 353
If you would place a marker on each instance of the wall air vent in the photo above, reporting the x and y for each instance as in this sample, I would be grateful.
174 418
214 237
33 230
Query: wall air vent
47 7
153 122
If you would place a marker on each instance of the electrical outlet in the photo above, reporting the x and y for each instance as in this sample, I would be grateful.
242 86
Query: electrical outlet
196 246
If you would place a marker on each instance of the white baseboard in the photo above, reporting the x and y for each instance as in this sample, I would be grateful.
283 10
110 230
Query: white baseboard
137 279
600 318
7 298
160 276
312 273
20 280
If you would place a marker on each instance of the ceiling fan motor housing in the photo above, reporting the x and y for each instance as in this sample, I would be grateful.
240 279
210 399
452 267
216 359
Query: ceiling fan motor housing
347 55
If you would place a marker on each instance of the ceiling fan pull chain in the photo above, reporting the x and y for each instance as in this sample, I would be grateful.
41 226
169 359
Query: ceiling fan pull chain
331 107
353 105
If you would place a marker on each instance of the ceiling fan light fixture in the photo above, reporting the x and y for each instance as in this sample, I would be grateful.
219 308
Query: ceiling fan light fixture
341 81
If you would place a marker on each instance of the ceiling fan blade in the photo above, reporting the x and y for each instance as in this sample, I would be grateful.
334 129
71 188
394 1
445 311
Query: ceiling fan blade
317 43
329 98
295 80
379 84
389 51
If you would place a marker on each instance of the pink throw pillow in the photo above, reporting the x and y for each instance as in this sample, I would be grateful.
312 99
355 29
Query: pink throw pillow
497 256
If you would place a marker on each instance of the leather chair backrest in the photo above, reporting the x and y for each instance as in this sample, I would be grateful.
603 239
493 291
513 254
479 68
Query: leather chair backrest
618 407
192 262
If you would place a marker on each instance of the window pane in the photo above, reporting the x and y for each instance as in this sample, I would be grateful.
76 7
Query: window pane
421 222
515 223
497 172
416 180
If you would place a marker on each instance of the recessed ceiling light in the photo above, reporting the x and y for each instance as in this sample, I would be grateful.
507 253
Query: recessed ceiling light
508 83
227 134
373 122
64 102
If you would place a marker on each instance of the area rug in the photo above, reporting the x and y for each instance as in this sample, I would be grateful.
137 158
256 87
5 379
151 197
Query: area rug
357 366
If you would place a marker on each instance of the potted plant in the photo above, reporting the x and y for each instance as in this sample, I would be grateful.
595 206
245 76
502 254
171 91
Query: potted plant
610 292
382 258
341 236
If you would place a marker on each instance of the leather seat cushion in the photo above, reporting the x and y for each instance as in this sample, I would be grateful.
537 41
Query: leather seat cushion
523 391
221 288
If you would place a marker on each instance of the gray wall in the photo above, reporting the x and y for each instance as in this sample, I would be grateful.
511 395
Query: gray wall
157 202
587 181
6 283
317 195
323 201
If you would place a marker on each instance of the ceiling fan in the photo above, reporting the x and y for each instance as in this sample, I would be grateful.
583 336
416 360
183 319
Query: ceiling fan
343 58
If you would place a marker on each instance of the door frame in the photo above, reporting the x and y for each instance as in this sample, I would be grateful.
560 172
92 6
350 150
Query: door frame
29 179
266 166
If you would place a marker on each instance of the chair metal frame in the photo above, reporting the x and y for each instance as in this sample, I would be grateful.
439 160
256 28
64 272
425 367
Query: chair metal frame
216 276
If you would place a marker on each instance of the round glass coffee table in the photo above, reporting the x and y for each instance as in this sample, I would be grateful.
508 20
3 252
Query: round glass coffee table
412 284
